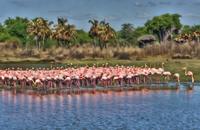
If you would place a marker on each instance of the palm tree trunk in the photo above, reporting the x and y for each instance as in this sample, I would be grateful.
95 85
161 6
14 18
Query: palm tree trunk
39 45
36 41
43 41
100 44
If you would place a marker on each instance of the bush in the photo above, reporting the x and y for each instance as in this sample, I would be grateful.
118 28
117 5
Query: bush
4 37
76 53
181 56
122 55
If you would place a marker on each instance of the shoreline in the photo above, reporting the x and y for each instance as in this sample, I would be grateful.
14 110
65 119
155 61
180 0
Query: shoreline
76 91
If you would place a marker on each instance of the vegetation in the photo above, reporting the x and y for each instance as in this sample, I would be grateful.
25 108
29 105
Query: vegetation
39 31
63 32
102 32
164 26
43 39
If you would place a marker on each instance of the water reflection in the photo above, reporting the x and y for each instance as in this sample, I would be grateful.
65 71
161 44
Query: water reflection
111 110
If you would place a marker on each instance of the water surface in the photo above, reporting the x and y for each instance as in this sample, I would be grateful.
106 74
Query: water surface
134 110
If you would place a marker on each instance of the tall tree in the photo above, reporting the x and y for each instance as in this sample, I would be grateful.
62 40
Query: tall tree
94 31
101 31
17 27
126 32
40 29
164 26
64 32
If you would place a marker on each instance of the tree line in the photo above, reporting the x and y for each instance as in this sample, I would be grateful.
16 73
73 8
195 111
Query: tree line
41 33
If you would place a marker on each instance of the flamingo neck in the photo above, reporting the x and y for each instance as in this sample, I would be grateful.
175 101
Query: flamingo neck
178 80
192 79
186 72
162 66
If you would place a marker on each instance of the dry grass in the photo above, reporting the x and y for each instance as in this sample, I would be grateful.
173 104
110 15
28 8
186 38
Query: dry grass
170 50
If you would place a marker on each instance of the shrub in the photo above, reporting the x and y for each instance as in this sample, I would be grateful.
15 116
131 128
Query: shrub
13 42
181 56
4 37
122 55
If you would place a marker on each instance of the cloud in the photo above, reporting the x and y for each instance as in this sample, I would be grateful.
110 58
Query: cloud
143 15
18 3
85 16
191 15
58 11
165 3
196 3
113 18
138 4
151 4
145 4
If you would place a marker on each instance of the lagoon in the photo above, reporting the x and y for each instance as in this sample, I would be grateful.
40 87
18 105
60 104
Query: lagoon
130 110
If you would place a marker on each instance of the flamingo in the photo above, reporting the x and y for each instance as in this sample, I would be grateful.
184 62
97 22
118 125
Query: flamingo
167 75
177 76
76 77
189 74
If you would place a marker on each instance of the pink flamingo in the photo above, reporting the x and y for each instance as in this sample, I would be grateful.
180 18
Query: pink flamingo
167 75
177 76
189 73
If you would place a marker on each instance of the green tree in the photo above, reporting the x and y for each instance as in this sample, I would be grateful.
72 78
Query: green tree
186 29
83 37
2 29
17 27
164 26
126 32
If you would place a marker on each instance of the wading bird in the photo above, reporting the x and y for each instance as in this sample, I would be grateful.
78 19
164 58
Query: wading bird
189 74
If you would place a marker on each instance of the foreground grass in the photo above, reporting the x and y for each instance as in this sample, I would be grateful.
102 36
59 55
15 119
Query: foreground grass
174 66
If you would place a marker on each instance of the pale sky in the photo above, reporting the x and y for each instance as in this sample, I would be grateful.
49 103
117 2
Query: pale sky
116 12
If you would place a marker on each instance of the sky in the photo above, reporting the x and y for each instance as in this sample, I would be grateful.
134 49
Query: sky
116 12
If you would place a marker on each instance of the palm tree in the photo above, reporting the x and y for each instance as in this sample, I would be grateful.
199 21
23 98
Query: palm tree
63 32
101 31
40 29
196 36
107 34
94 31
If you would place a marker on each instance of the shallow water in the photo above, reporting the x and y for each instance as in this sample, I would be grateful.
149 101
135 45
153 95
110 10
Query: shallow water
133 110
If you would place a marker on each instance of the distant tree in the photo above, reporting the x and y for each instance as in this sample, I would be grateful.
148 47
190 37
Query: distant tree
40 29
188 34
126 32
17 27
83 37
164 26
195 28
2 29
94 31
106 33
186 29
101 31
63 32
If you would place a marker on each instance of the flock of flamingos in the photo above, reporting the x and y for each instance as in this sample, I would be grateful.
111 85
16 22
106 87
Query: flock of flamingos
69 78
